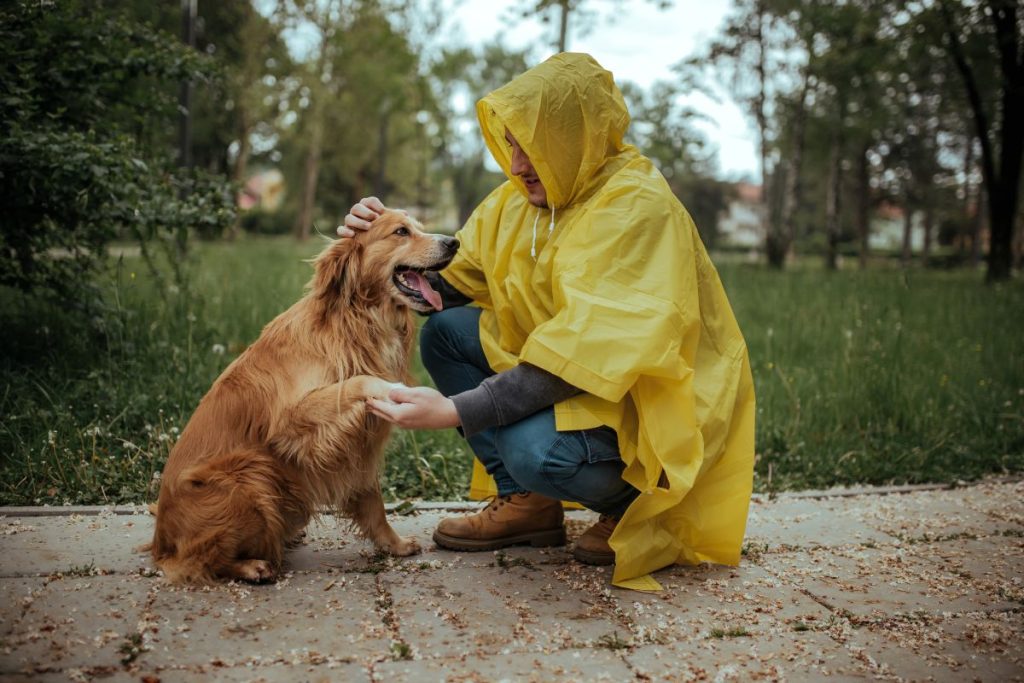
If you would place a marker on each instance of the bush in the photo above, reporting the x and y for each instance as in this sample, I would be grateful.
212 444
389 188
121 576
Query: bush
260 222
85 99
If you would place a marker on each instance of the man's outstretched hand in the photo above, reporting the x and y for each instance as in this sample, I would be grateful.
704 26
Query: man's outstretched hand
416 408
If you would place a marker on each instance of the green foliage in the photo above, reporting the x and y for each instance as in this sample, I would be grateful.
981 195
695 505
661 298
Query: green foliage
860 377
259 222
869 377
75 171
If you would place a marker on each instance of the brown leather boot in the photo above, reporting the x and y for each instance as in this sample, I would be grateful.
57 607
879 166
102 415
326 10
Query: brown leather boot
592 547
508 520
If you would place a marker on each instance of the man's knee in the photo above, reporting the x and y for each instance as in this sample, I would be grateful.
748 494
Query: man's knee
523 448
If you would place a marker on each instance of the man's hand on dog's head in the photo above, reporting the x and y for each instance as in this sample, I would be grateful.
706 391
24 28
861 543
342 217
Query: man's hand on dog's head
361 215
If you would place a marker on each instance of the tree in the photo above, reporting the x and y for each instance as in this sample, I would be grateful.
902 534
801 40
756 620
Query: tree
984 42
571 13
662 128
75 167
460 77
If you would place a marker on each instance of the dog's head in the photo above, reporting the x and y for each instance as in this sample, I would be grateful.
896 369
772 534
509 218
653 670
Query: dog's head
388 260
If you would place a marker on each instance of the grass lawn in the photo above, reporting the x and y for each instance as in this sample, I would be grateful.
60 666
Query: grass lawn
862 377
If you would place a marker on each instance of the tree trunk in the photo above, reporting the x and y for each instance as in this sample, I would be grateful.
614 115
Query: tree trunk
379 185
908 232
929 223
1002 176
962 247
311 172
833 209
794 166
977 227
863 205
241 166
563 28
761 114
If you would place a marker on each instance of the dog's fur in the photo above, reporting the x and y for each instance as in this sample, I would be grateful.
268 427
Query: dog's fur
285 430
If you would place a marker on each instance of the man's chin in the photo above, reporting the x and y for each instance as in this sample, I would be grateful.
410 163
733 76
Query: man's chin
539 202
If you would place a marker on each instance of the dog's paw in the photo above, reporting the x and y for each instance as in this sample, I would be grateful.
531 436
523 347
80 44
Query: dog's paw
365 386
256 571
406 546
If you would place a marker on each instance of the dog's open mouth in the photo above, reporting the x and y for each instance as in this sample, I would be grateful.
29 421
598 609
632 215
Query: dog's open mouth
412 283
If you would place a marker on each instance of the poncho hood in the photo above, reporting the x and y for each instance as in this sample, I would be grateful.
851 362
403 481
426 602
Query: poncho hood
619 298
568 116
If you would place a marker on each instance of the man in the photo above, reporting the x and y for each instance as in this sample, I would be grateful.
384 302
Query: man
600 362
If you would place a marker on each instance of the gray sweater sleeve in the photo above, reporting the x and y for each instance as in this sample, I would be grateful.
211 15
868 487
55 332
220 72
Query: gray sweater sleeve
509 396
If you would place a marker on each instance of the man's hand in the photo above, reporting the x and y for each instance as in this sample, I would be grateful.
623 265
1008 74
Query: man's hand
416 408
360 216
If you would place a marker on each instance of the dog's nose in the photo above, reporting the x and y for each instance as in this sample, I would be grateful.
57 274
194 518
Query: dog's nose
451 244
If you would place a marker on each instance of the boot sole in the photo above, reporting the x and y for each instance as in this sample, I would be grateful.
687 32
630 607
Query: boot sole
595 558
537 539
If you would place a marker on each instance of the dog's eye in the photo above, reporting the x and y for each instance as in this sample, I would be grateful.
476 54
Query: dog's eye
401 232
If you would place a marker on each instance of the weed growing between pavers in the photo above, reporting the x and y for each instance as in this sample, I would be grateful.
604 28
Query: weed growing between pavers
131 648
861 377
502 560
612 641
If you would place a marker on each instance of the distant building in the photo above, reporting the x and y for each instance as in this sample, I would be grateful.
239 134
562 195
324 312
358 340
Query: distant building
887 229
742 224
263 190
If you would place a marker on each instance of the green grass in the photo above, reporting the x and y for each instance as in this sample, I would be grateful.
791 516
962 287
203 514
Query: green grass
871 377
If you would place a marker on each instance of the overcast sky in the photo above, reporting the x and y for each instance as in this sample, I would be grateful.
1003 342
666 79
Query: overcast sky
635 41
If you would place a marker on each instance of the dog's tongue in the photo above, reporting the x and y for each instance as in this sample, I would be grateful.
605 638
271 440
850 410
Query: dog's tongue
419 282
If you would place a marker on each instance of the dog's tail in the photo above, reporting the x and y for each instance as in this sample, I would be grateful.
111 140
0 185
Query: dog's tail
148 547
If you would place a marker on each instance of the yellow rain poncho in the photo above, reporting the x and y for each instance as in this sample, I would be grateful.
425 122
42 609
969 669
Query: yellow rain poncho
621 301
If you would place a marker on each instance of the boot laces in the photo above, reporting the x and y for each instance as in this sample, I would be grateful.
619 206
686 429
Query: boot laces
494 502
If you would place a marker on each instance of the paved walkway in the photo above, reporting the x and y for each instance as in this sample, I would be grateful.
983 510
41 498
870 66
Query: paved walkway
920 585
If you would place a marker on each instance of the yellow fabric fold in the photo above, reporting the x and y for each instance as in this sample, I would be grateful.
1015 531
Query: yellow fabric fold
621 301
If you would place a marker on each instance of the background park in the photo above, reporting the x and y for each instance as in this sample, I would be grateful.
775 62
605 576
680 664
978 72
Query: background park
165 169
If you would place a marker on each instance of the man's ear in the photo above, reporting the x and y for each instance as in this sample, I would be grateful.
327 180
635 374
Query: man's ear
332 267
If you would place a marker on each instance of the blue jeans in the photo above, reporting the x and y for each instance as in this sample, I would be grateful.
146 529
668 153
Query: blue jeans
529 455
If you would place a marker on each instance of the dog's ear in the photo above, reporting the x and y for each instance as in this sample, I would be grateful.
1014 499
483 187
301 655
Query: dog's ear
196 477
333 266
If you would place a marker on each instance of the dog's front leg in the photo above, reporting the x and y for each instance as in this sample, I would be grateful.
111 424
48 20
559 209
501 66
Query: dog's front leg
366 508
326 423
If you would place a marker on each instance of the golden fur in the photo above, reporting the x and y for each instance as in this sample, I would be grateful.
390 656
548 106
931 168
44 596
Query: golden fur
285 431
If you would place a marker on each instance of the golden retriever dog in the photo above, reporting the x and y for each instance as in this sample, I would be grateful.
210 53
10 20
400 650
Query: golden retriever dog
285 430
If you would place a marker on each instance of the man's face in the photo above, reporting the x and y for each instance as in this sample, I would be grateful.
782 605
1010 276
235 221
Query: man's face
521 166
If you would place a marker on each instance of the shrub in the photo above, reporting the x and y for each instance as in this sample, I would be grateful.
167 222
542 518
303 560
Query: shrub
85 102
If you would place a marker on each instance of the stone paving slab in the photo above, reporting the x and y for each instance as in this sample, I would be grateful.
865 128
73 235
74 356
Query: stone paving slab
535 667
971 646
930 515
75 622
803 656
868 582
923 585
38 546
803 523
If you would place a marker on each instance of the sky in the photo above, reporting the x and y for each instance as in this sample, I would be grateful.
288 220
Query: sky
631 38
635 41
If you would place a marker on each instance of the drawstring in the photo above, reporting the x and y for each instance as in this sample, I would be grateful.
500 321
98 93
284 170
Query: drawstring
551 229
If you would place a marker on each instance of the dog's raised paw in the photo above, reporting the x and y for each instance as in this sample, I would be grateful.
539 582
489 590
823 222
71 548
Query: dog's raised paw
365 386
